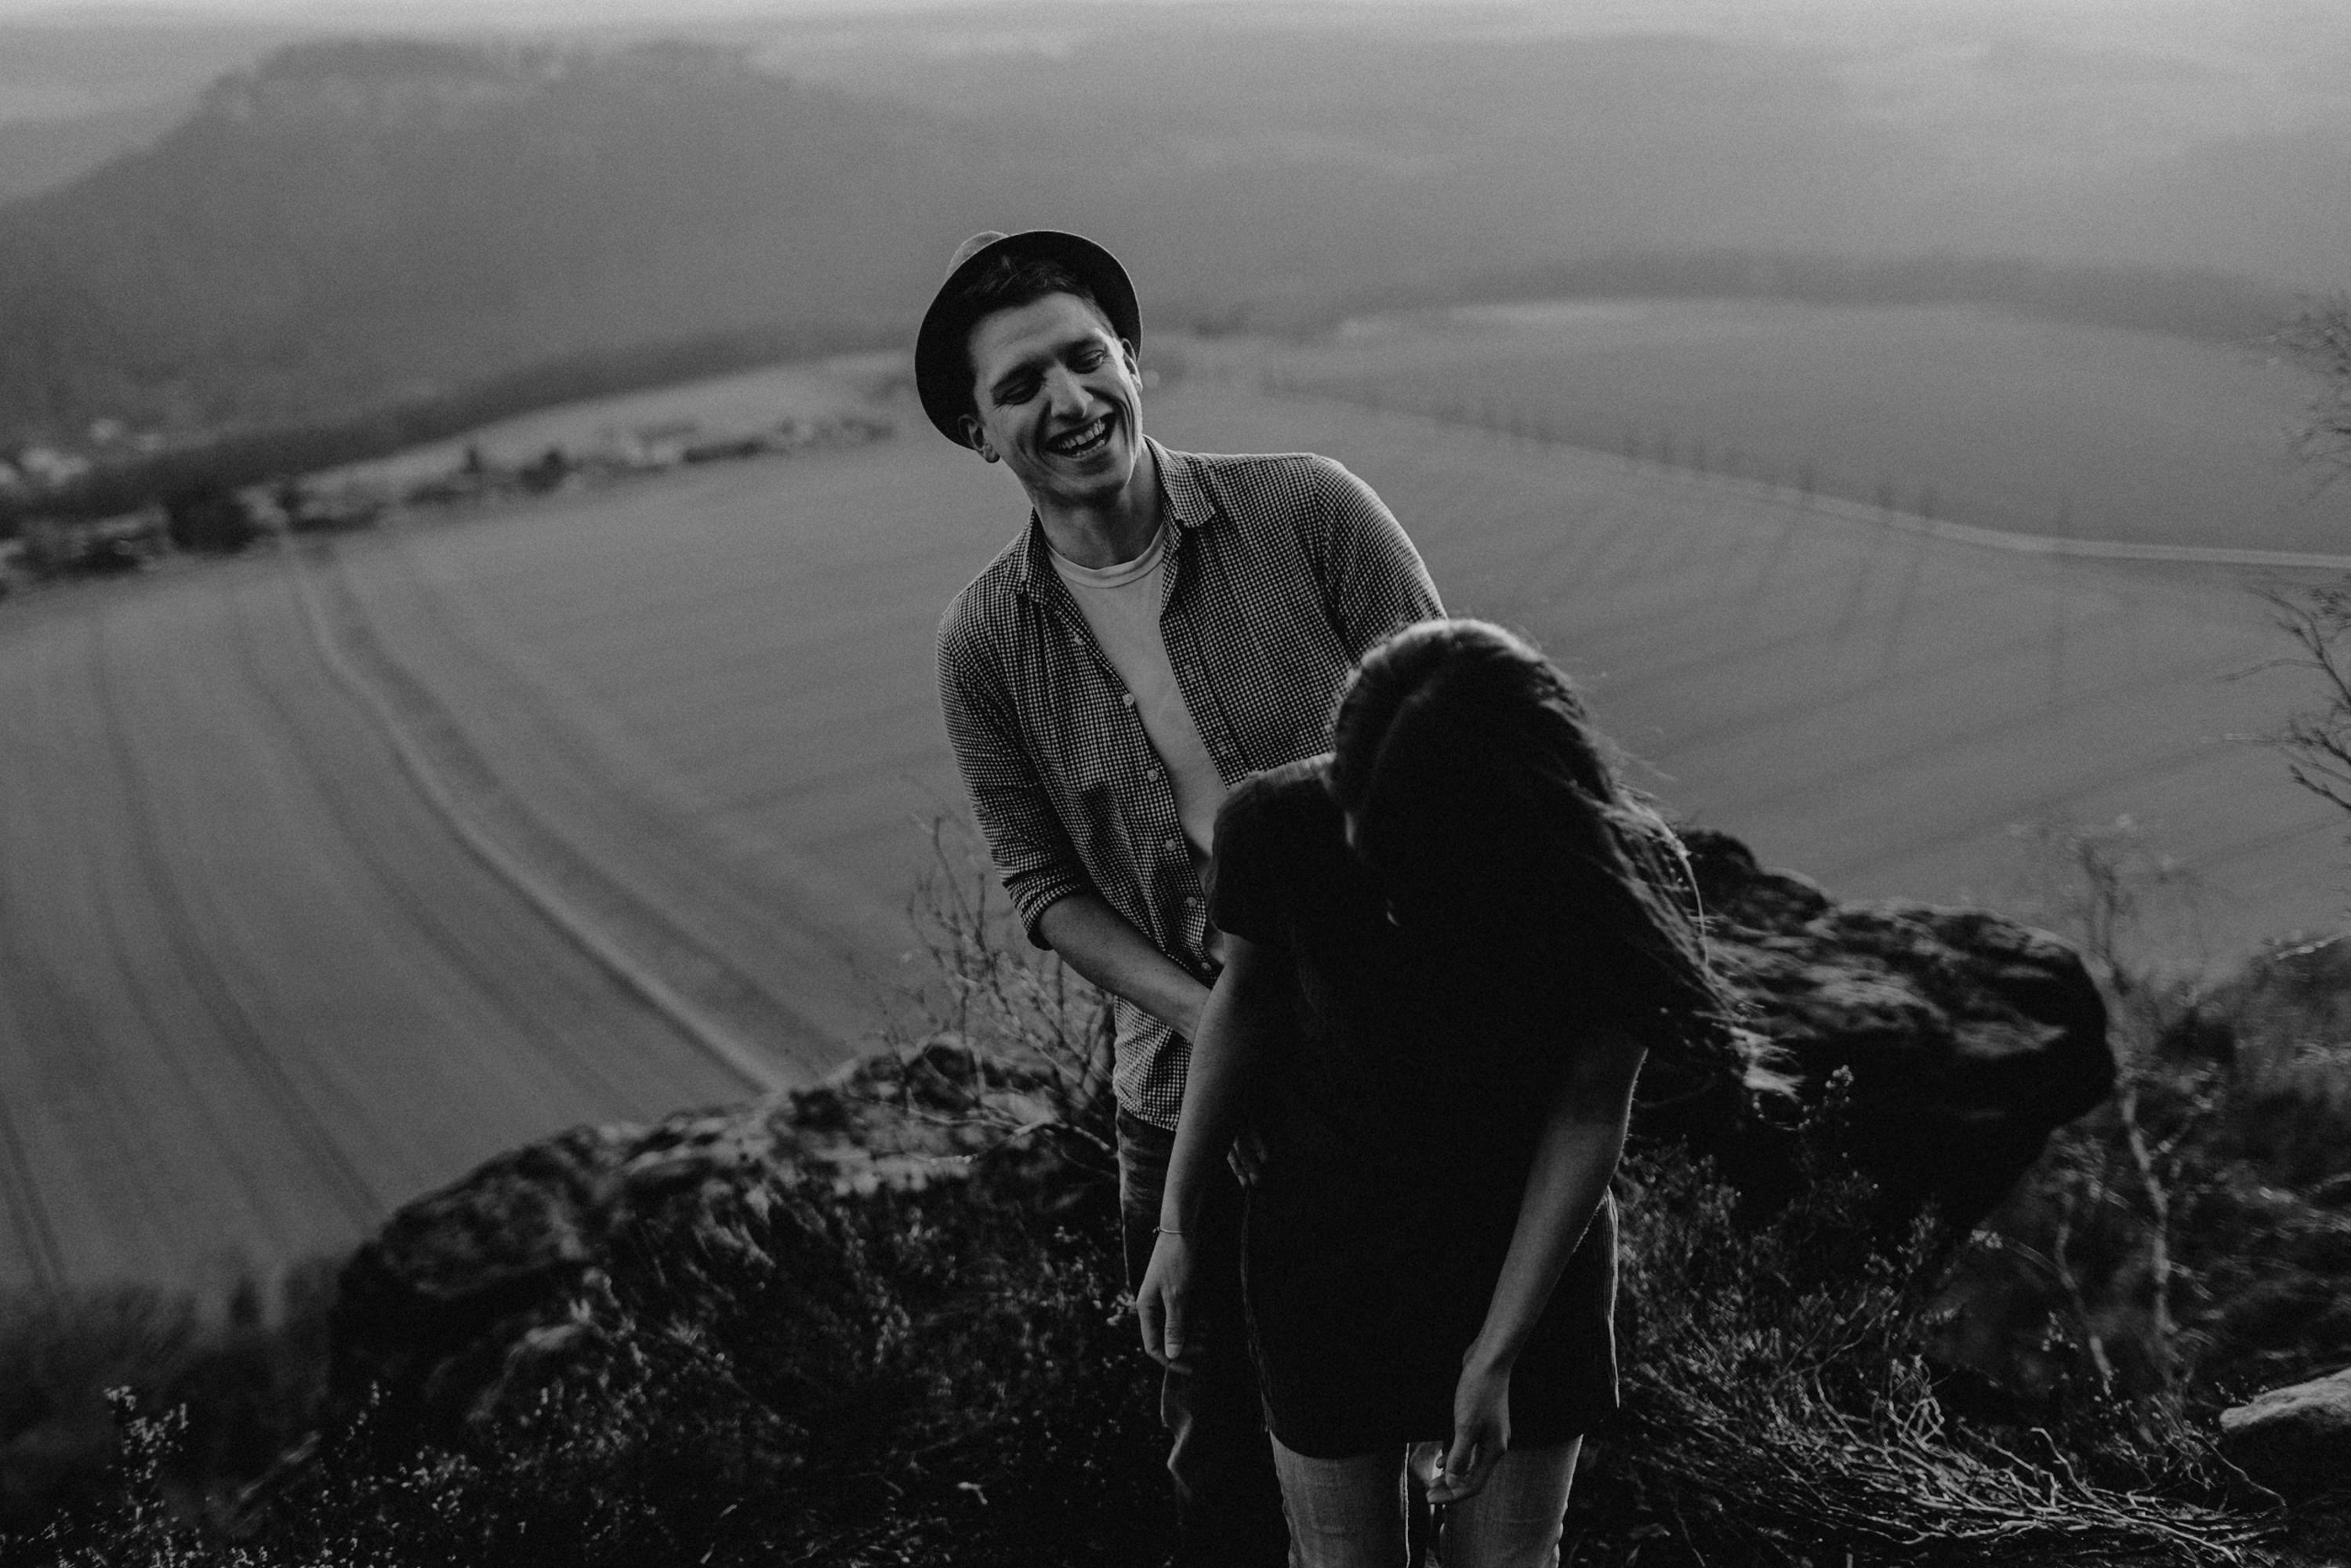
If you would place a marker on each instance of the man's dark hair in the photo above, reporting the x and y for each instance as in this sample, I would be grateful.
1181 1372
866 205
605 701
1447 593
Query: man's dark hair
1008 282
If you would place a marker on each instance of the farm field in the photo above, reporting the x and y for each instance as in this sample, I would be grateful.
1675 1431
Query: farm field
330 873
2030 426
1875 705
252 992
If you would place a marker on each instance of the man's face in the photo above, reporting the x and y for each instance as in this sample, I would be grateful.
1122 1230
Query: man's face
1058 399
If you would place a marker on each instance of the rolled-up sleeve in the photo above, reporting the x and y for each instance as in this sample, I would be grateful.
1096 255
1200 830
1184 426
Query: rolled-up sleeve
1376 580
1025 838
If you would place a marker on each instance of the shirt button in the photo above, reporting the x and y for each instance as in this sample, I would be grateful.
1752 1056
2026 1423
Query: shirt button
1155 773
1172 842
1126 699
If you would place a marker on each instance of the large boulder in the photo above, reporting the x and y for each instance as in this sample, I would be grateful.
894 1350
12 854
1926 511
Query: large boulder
466 1292
2294 1440
1935 1048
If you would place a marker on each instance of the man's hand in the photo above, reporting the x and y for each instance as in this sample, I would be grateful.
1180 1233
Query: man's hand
1481 1430
1159 1303
1100 944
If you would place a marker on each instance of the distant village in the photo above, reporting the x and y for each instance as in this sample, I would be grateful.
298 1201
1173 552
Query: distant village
203 520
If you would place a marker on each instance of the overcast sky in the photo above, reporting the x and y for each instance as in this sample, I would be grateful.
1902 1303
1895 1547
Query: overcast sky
2093 15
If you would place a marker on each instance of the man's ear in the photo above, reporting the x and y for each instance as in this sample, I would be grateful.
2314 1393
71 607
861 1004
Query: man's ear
1134 365
975 439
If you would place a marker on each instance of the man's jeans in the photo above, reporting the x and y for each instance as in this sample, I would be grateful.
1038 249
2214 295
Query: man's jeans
1349 1513
1227 1503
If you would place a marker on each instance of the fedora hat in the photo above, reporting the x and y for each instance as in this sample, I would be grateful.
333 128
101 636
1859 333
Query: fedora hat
942 358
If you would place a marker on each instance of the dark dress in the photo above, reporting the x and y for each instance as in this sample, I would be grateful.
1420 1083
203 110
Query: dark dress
1391 1135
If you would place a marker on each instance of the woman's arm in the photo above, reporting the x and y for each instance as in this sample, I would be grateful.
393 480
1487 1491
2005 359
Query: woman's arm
1249 996
1575 1153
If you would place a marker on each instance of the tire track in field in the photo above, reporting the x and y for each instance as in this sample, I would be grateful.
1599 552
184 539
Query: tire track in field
48 1023
346 1186
700 994
1758 719
169 1046
2010 541
2137 771
797 928
419 911
28 1216
1852 771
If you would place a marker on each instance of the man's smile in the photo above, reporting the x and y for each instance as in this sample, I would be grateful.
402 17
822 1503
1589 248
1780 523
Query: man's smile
1084 441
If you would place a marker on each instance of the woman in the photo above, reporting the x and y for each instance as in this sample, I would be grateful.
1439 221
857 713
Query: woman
1451 942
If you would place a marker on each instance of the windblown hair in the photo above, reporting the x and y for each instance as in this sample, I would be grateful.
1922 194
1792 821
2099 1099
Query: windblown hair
1487 807
1008 282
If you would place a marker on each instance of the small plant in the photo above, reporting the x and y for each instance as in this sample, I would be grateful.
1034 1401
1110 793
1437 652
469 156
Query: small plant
1779 1407
2322 340
1027 1042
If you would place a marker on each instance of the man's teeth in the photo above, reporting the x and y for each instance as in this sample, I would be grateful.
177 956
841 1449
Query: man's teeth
1079 440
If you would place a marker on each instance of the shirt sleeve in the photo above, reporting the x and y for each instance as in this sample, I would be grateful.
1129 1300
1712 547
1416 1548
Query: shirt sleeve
1243 880
1032 852
1375 579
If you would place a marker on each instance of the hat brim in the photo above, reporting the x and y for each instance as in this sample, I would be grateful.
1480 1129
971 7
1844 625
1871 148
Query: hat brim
942 362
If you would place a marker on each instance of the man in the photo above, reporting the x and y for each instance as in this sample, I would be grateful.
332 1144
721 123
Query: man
1166 625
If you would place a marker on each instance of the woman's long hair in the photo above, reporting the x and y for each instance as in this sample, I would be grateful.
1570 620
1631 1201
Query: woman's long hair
1490 812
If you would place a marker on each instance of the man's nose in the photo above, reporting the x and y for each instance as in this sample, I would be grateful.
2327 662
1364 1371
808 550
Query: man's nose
1065 393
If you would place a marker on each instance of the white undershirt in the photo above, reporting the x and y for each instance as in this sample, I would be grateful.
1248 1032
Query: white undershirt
1120 604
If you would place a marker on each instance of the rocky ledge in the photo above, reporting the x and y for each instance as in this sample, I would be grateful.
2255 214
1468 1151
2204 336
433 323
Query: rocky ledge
2294 1440
1935 1048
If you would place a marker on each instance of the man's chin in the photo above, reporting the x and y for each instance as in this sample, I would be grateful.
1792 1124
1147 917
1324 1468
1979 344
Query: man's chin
1103 474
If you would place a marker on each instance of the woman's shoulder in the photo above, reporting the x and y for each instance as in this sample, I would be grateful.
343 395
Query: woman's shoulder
1274 834
1290 797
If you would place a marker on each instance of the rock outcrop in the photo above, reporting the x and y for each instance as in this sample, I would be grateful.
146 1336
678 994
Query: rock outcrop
466 1288
2294 1440
1937 1048
1944 1045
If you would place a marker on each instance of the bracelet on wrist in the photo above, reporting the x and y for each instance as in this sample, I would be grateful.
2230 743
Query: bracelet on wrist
1166 1230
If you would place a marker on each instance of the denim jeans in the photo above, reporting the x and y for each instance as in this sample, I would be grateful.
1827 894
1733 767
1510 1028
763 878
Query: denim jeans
1227 1503
1349 1513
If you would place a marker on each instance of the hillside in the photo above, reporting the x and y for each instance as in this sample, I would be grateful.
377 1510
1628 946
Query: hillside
351 219
347 223
76 92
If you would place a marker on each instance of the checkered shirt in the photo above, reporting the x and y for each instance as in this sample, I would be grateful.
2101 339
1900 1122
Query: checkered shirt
1281 572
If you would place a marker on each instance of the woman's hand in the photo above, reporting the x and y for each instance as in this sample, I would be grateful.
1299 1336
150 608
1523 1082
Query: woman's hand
1481 1430
1159 1303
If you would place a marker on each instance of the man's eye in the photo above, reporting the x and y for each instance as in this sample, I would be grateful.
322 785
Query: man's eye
1088 358
1016 391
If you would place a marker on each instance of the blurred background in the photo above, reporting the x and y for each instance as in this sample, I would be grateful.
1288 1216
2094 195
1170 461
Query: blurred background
473 552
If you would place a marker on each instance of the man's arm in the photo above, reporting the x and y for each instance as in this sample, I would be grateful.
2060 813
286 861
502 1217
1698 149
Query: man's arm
1377 583
1033 856
1104 946
1058 903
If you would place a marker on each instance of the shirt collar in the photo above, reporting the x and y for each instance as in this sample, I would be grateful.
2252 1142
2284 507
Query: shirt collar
1189 506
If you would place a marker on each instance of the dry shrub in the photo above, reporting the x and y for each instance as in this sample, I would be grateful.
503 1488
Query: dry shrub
249 1366
1779 1408
1028 1041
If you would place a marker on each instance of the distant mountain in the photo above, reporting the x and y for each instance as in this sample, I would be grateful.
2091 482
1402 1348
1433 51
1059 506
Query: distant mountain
352 219
41 154
75 90
351 224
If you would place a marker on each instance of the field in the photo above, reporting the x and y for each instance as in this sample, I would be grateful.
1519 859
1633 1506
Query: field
2034 427
330 871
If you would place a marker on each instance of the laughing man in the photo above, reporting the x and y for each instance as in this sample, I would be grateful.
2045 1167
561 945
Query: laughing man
1166 624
